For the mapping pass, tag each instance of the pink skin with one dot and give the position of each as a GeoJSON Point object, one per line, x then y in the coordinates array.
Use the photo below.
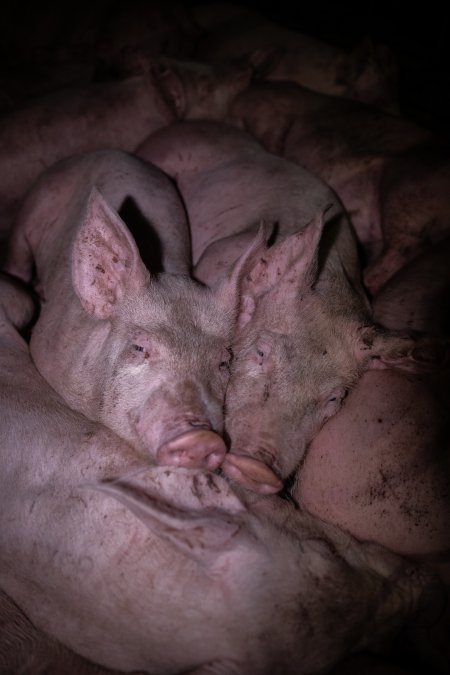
{"type": "Point", "coordinates": [303, 338]}
{"type": "Point", "coordinates": [146, 356]}
{"type": "Point", "coordinates": [367, 73]}
{"type": "Point", "coordinates": [229, 184]}
{"type": "Point", "coordinates": [200, 90]}
{"type": "Point", "coordinates": [304, 347]}
{"type": "Point", "coordinates": [389, 172]}
{"type": "Point", "coordinates": [380, 468]}
{"type": "Point", "coordinates": [81, 511]}
{"type": "Point", "coordinates": [49, 128]}
{"type": "Point", "coordinates": [25, 649]}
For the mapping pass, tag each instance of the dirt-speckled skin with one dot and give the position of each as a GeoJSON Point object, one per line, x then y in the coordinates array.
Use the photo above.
{"type": "Point", "coordinates": [113, 557]}
{"type": "Point", "coordinates": [143, 351]}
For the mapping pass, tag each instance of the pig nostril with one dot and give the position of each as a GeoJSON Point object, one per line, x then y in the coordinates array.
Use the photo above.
{"type": "Point", "coordinates": [199, 425]}
{"type": "Point", "coordinates": [201, 448]}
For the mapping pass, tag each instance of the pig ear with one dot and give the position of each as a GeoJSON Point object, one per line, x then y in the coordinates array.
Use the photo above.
{"type": "Point", "coordinates": [106, 264]}
{"type": "Point", "coordinates": [404, 351]}
{"type": "Point", "coordinates": [285, 267]}
{"type": "Point", "coordinates": [229, 289]}
{"type": "Point", "coordinates": [197, 536]}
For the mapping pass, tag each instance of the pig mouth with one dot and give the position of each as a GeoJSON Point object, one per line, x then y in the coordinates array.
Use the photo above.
{"type": "Point", "coordinates": [252, 472]}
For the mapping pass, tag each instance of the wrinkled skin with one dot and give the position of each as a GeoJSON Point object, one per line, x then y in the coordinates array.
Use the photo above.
{"type": "Point", "coordinates": [75, 498]}
{"type": "Point", "coordinates": [367, 73]}
{"type": "Point", "coordinates": [389, 172]}
{"type": "Point", "coordinates": [144, 353]}
{"type": "Point", "coordinates": [62, 123]}
{"type": "Point", "coordinates": [381, 467]}
{"type": "Point", "coordinates": [305, 331]}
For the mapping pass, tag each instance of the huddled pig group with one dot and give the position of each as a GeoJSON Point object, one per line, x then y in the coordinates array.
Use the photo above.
{"type": "Point", "coordinates": [224, 367]}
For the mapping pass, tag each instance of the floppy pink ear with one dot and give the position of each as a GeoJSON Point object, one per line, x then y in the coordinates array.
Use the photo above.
{"type": "Point", "coordinates": [106, 264]}
{"type": "Point", "coordinates": [404, 351]}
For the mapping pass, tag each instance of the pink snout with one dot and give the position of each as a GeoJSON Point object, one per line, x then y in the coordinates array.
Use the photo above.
{"type": "Point", "coordinates": [252, 473]}
{"type": "Point", "coordinates": [199, 449]}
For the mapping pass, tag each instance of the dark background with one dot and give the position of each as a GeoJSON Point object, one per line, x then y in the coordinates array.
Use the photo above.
{"type": "Point", "coordinates": [417, 34]}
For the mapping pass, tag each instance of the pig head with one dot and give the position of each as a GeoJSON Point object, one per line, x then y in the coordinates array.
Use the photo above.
{"type": "Point", "coordinates": [305, 337]}
{"type": "Point", "coordinates": [145, 353]}
{"type": "Point", "coordinates": [112, 557]}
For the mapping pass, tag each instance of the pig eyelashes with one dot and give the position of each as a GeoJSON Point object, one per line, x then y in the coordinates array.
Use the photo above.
{"type": "Point", "coordinates": [144, 349]}
{"type": "Point", "coordinates": [225, 362]}
{"type": "Point", "coordinates": [258, 353]}
{"type": "Point", "coordinates": [333, 402]}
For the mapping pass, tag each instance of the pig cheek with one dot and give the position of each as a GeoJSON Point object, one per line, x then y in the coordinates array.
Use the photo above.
{"type": "Point", "coordinates": [249, 423]}
{"type": "Point", "coordinates": [130, 388]}
{"type": "Point", "coordinates": [146, 433]}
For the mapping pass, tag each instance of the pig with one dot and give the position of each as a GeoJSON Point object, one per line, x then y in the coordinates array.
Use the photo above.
{"type": "Point", "coordinates": [380, 468]}
{"type": "Point", "coordinates": [26, 650]}
{"type": "Point", "coordinates": [367, 73]}
{"type": "Point", "coordinates": [110, 555]}
{"type": "Point", "coordinates": [305, 332]}
{"type": "Point", "coordinates": [389, 172]}
{"type": "Point", "coordinates": [97, 116]}
{"type": "Point", "coordinates": [207, 158]}
{"type": "Point", "coordinates": [195, 89]}
{"type": "Point", "coordinates": [144, 352]}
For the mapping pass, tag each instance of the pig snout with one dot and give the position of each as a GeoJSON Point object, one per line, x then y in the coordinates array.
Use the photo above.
{"type": "Point", "coordinates": [200, 448]}
{"type": "Point", "coordinates": [252, 473]}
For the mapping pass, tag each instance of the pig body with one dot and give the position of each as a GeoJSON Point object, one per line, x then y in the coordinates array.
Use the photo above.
{"type": "Point", "coordinates": [197, 90]}
{"type": "Point", "coordinates": [144, 353]}
{"type": "Point", "coordinates": [305, 332]}
{"type": "Point", "coordinates": [96, 116]}
{"type": "Point", "coordinates": [229, 184]}
{"type": "Point", "coordinates": [381, 467]}
{"type": "Point", "coordinates": [367, 73]}
{"type": "Point", "coordinates": [110, 555]}
{"type": "Point", "coordinates": [388, 171]}
{"type": "Point", "coordinates": [27, 650]}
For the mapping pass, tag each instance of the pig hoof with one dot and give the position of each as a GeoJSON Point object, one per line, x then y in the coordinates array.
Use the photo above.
{"type": "Point", "coordinates": [251, 473]}
{"type": "Point", "coordinates": [200, 449]}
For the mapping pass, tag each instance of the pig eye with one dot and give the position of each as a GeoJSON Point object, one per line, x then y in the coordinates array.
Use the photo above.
{"type": "Point", "coordinates": [225, 363]}
{"type": "Point", "coordinates": [333, 402]}
{"type": "Point", "coordinates": [138, 348]}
